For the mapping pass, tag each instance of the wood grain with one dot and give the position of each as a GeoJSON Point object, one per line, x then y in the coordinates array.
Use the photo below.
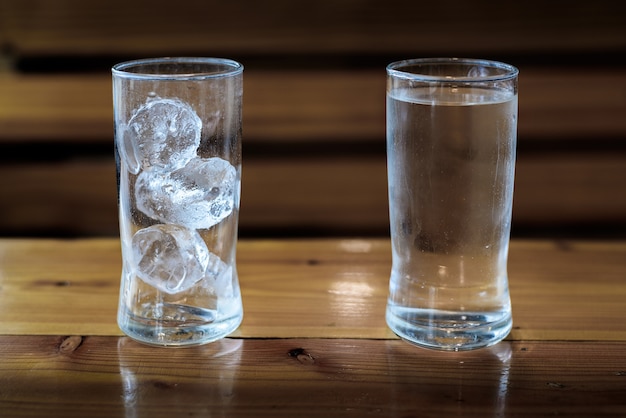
{"type": "Point", "coordinates": [325, 288]}
{"type": "Point", "coordinates": [115, 377]}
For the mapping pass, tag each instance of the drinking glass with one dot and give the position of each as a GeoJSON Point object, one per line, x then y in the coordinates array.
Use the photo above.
{"type": "Point", "coordinates": [178, 153]}
{"type": "Point", "coordinates": [451, 143]}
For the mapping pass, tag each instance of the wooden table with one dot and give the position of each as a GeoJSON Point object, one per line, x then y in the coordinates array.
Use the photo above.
{"type": "Point", "coordinates": [313, 341]}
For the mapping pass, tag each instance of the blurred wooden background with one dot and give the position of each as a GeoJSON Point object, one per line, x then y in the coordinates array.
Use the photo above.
{"type": "Point", "coordinates": [314, 107]}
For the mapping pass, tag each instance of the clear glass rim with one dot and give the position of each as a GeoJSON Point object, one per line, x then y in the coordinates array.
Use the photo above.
{"type": "Point", "coordinates": [215, 68]}
{"type": "Point", "coordinates": [507, 71]}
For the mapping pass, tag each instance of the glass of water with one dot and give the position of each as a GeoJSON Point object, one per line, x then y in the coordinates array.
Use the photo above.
{"type": "Point", "coordinates": [178, 152]}
{"type": "Point", "coordinates": [451, 141]}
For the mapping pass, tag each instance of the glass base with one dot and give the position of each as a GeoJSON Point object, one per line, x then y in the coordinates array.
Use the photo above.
{"type": "Point", "coordinates": [449, 331]}
{"type": "Point", "coordinates": [171, 333]}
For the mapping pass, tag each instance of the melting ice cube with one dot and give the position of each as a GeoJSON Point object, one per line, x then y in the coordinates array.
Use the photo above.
{"type": "Point", "coordinates": [197, 196]}
{"type": "Point", "coordinates": [170, 257]}
{"type": "Point", "coordinates": [161, 134]}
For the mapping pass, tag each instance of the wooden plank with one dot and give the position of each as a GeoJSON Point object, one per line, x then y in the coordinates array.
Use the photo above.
{"type": "Point", "coordinates": [554, 285]}
{"type": "Point", "coordinates": [114, 377]}
{"type": "Point", "coordinates": [58, 286]}
{"type": "Point", "coordinates": [574, 291]}
{"type": "Point", "coordinates": [76, 197]}
{"type": "Point", "coordinates": [56, 108]}
{"type": "Point", "coordinates": [566, 103]}
{"type": "Point", "coordinates": [323, 194]}
{"type": "Point", "coordinates": [327, 195]}
{"type": "Point", "coordinates": [71, 27]}
{"type": "Point", "coordinates": [575, 188]}
{"type": "Point", "coordinates": [307, 106]}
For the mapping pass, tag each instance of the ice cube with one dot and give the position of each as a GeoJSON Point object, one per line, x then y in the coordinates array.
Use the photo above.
{"type": "Point", "coordinates": [197, 196]}
{"type": "Point", "coordinates": [171, 258]}
{"type": "Point", "coordinates": [161, 134]}
{"type": "Point", "coordinates": [219, 277]}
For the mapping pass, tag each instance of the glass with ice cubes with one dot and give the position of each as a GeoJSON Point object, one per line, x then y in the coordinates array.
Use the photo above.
{"type": "Point", "coordinates": [178, 154]}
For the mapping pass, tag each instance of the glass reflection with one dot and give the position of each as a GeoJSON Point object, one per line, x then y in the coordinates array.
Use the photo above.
{"type": "Point", "coordinates": [449, 383]}
{"type": "Point", "coordinates": [188, 380]}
